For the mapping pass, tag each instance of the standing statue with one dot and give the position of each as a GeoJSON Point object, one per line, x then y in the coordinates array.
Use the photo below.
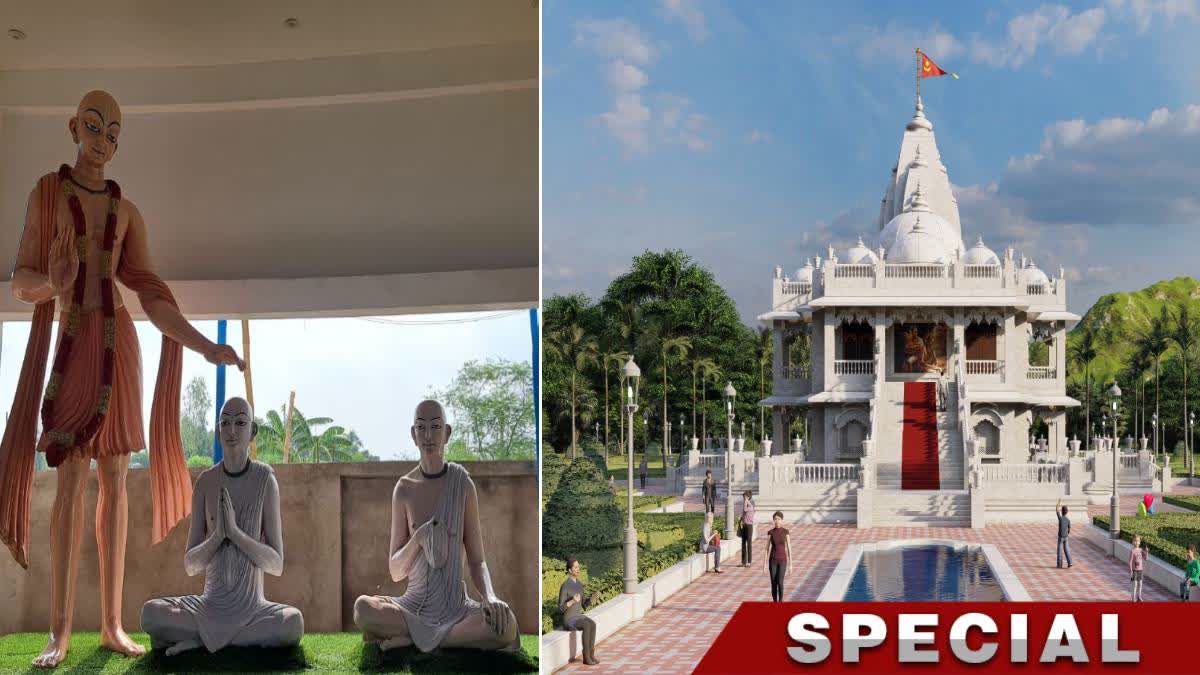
{"type": "Point", "coordinates": [435, 517]}
{"type": "Point", "coordinates": [80, 234]}
{"type": "Point", "coordinates": [236, 535]}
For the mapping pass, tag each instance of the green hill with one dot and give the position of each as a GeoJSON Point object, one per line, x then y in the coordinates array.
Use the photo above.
{"type": "Point", "coordinates": [1120, 317]}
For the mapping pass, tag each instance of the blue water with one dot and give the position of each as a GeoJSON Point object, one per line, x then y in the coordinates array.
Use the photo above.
{"type": "Point", "coordinates": [927, 573]}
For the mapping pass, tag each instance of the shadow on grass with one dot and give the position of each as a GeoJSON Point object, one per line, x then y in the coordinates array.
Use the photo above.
{"type": "Point", "coordinates": [92, 662]}
{"type": "Point", "coordinates": [227, 660]}
{"type": "Point", "coordinates": [413, 660]}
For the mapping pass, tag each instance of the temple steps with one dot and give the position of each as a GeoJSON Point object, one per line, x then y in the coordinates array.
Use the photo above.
{"type": "Point", "coordinates": [921, 508]}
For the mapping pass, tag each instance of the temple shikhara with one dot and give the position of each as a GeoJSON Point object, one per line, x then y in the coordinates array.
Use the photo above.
{"type": "Point", "coordinates": [929, 371]}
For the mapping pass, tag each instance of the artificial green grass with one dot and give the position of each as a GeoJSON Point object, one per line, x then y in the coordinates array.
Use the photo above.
{"type": "Point", "coordinates": [618, 470]}
{"type": "Point", "coordinates": [319, 653]}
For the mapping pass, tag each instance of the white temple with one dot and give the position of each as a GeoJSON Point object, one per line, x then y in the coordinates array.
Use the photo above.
{"type": "Point", "coordinates": [918, 391]}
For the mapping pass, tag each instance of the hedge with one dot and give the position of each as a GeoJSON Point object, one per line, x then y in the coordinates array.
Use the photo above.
{"type": "Point", "coordinates": [581, 514]}
{"type": "Point", "coordinates": [1190, 502]}
{"type": "Point", "coordinates": [553, 466]}
{"type": "Point", "coordinates": [643, 502]}
{"type": "Point", "coordinates": [1168, 534]}
{"type": "Point", "coordinates": [650, 562]}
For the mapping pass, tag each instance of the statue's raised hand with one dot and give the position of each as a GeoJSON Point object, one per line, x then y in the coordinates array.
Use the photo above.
{"type": "Point", "coordinates": [223, 355]}
{"type": "Point", "coordinates": [64, 260]}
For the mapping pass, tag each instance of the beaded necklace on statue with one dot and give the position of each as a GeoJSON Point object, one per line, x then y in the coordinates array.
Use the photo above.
{"type": "Point", "coordinates": [64, 441]}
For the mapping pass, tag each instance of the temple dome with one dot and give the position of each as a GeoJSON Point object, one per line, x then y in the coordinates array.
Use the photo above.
{"type": "Point", "coordinates": [859, 254]}
{"type": "Point", "coordinates": [979, 254]}
{"type": "Point", "coordinates": [919, 245]}
{"type": "Point", "coordinates": [918, 208]}
{"type": "Point", "coordinates": [1034, 276]}
{"type": "Point", "coordinates": [805, 273]}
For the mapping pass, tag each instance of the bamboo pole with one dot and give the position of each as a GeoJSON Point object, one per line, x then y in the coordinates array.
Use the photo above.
{"type": "Point", "coordinates": [287, 428]}
{"type": "Point", "coordinates": [249, 381]}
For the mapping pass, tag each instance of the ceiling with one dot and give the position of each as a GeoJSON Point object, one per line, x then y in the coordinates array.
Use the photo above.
{"type": "Point", "coordinates": [400, 138]}
{"type": "Point", "coordinates": [70, 34]}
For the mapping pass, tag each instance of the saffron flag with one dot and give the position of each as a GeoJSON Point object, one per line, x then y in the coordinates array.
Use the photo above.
{"type": "Point", "coordinates": [931, 69]}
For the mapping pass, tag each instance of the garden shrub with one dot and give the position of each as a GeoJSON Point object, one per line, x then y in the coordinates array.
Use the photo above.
{"type": "Point", "coordinates": [1168, 534]}
{"type": "Point", "coordinates": [1187, 502]}
{"type": "Point", "coordinates": [553, 465]}
{"type": "Point", "coordinates": [581, 514]}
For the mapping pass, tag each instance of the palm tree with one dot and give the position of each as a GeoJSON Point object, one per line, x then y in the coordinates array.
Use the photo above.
{"type": "Point", "coordinates": [764, 349]}
{"type": "Point", "coordinates": [708, 370]}
{"type": "Point", "coordinates": [667, 347]}
{"type": "Point", "coordinates": [1151, 344]}
{"type": "Point", "coordinates": [1183, 334]}
{"type": "Point", "coordinates": [1083, 352]}
{"type": "Point", "coordinates": [618, 359]}
{"type": "Point", "coordinates": [578, 350]}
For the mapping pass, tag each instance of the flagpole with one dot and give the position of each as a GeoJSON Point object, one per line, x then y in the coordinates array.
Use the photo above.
{"type": "Point", "coordinates": [918, 74]}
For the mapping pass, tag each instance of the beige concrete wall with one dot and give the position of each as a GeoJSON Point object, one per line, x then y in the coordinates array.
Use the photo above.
{"type": "Point", "coordinates": [336, 520]}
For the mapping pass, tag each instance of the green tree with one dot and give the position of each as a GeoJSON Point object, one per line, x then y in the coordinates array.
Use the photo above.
{"type": "Point", "coordinates": [1082, 352]}
{"type": "Point", "coordinates": [1183, 334]}
{"type": "Point", "coordinates": [581, 514]}
{"type": "Point", "coordinates": [576, 349]}
{"type": "Point", "coordinates": [1152, 343]}
{"type": "Point", "coordinates": [617, 360]}
{"type": "Point", "coordinates": [193, 421]}
{"type": "Point", "coordinates": [333, 443]}
{"type": "Point", "coordinates": [491, 408]}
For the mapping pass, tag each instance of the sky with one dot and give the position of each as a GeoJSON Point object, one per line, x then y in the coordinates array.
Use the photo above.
{"type": "Point", "coordinates": [751, 135]}
{"type": "Point", "coordinates": [368, 374]}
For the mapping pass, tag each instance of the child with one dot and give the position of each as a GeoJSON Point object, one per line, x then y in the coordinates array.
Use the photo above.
{"type": "Point", "coordinates": [1137, 565]}
{"type": "Point", "coordinates": [1191, 574]}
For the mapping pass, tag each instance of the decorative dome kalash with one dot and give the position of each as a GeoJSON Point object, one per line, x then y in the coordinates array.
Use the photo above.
{"type": "Point", "coordinates": [805, 274]}
{"type": "Point", "coordinates": [979, 254]}
{"type": "Point", "coordinates": [919, 245]}
{"type": "Point", "coordinates": [933, 224]}
{"type": "Point", "coordinates": [1032, 276]}
{"type": "Point", "coordinates": [859, 254]}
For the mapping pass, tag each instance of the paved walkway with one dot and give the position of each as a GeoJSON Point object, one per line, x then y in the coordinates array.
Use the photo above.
{"type": "Point", "coordinates": [674, 636]}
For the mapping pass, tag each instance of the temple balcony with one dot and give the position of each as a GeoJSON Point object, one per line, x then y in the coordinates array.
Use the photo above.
{"type": "Point", "coordinates": [956, 284]}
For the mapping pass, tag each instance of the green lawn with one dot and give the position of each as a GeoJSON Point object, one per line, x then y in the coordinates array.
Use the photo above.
{"type": "Point", "coordinates": [1183, 501]}
{"type": "Point", "coordinates": [320, 653]}
{"type": "Point", "coordinates": [619, 470]}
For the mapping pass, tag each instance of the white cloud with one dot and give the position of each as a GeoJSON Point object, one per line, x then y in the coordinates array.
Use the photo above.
{"type": "Point", "coordinates": [1053, 27]}
{"type": "Point", "coordinates": [628, 122]}
{"type": "Point", "coordinates": [687, 13]}
{"type": "Point", "coordinates": [897, 43]}
{"type": "Point", "coordinates": [616, 38]}
{"type": "Point", "coordinates": [1145, 12]}
{"type": "Point", "coordinates": [623, 77]}
{"type": "Point", "coordinates": [758, 136]}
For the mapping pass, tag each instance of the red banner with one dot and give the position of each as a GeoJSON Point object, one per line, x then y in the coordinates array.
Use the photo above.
{"type": "Point", "coordinates": [929, 68]}
{"type": "Point", "coordinates": [967, 637]}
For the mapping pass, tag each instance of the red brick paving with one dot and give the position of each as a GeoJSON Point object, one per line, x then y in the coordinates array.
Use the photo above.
{"type": "Point", "coordinates": [673, 637]}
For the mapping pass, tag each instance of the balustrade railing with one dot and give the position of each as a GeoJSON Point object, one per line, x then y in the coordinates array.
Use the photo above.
{"type": "Point", "coordinates": [814, 473]}
{"type": "Point", "coordinates": [979, 367]}
{"type": "Point", "coordinates": [914, 271]}
{"type": "Point", "coordinates": [1025, 473]}
{"type": "Point", "coordinates": [981, 271]}
{"type": "Point", "coordinates": [855, 271]}
{"type": "Point", "coordinates": [1036, 289]}
{"type": "Point", "coordinates": [1130, 461]}
{"type": "Point", "coordinates": [797, 372]}
{"type": "Point", "coordinates": [797, 287]}
{"type": "Point", "coordinates": [854, 367]}
{"type": "Point", "coordinates": [1040, 373]}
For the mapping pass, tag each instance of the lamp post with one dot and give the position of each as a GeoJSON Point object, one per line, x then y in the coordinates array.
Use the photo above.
{"type": "Point", "coordinates": [1114, 394]}
{"type": "Point", "coordinates": [1192, 451]}
{"type": "Point", "coordinates": [730, 396]}
{"type": "Point", "coordinates": [1154, 432]}
{"type": "Point", "coordinates": [682, 438]}
{"type": "Point", "coordinates": [632, 374]}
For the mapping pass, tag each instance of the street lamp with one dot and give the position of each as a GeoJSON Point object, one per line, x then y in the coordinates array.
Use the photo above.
{"type": "Point", "coordinates": [1154, 432]}
{"type": "Point", "coordinates": [632, 375]}
{"type": "Point", "coordinates": [682, 438]}
{"type": "Point", "coordinates": [1114, 394]}
{"type": "Point", "coordinates": [730, 396]}
{"type": "Point", "coordinates": [1192, 450]}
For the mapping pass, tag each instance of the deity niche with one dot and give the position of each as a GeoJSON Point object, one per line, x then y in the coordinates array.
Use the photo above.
{"type": "Point", "coordinates": [920, 348]}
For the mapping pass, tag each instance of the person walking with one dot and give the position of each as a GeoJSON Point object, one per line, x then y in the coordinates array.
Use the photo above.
{"type": "Point", "coordinates": [1137, 567]}
{"type": "Point", "coordinates": [746, 530]}
{"type": "Point", "coordinates": [572, 604]}
{"type": "Point", "coordinates": [710, 541]}
{"type": "Point", "coordinates": [709, 490]}
{"type": "Point", "coordinates": [1064, 529]}
{"type": "Point", "coordinates": [779, 555]}
{"type": "Point", "coordinates": [1191, 574]}
{"type": "Point", "coordinates": [642, 472]}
